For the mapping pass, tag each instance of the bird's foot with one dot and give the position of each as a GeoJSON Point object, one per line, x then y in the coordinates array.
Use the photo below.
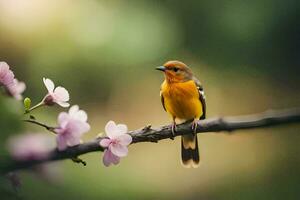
{"type": "Point", "coordinates": [194, 126]}
{"type": "Point", "coordinates": [173, 128]}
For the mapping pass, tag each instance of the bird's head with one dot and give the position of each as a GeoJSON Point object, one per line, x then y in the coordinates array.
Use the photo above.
{"type": "Point", "coordinates": [176, 71]}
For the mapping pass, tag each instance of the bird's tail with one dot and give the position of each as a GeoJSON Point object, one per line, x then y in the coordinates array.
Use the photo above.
{"type": "Point", "coordinates": [189, 151]}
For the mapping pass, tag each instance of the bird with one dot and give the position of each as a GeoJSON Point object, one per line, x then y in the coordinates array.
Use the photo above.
{"type": "Point", "coordinates": [182, 96]}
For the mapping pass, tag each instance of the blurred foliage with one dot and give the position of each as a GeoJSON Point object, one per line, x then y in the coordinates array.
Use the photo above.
{"type": "Point", "coordinates": [264, 34]}
{"type": "Point", "coordinates": [246, 53]}
{"type": "Point", "coordinates": [10, 115]}
{"type": "Point", "coordinates": [10, 112]}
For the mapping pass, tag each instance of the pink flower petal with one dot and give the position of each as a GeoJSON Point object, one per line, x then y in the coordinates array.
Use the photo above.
{"type": "Point", "coordinates": [61, 94]}
{"type": "Point", "coordinates": [75, 128]}
{"type": "Point", "coordinates": [8, 78]}
{"type": "Point", "coordinates": [109, 158]}
{"type": "Point", "coordinates": [57, 95]}
{"type": "Point", "coordinates": [6, 75]}
{"type": "Point", "coordinates": [3, 67]}
{"type": "Point", "coordinates": [83, 127]}
{"type": "Point", "coordinates": [63, 104]}
{"type": "Point", "coordinates": [118, 150]}
{"type": "Point", "coordinates": [71, 133]}
{"type": "Point", "coordinates": [61, 142]}
{"type": "Point", "coordinates": [16, 89]}
{"type": "Point", "coordinates": [81, 115]}
{"type": "Point", "coordinates": [73, 110]}
{"type": "Point", "coordinates": [21, 87]}
{"type": "Point", "coordinates": [105, 142]}
{"type": "Point", "coordinates": [49, 85]}
{"type": "Point", "coordinates": [115, 159]}
{"type": "Point", "coordinates": [73, 140]}
{"type": "Point", "coordinates": [125, 139]}
{"type": "Point", "coordinates": [111, 129]}
{"type": "Point", "coordinates": [122, 128]}
{"type": "Point", "coordinates": [63, 117]}
{"type": "Point", "coordinates": [86, 127]}
{"type": "Point", "coordinates": [71, 127]}
{"type": "Point", "coordinates": [78, 114]}
{"type": "Point", "coordinates": [29, 146]}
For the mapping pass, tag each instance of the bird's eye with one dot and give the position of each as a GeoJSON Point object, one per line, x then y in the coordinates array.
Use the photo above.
{"type": "Point", "coordinates": [175, 69]}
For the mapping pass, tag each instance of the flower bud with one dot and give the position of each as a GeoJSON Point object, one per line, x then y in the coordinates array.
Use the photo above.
{"type": "Point", "coordinates": [27, 103]}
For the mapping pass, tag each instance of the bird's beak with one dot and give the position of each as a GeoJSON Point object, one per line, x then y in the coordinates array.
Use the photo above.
{"type": "Point", "coordinates": [161, 68]}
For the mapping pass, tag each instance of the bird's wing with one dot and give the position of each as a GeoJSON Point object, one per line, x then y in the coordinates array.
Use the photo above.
{"type": "Point", "coordinates": [162, 100]}
{"type": "Point", "coordinates": [201, 97]}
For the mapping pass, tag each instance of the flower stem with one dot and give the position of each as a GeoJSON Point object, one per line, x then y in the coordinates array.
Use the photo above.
{"type": "Point", "coordinates": [35, 107]}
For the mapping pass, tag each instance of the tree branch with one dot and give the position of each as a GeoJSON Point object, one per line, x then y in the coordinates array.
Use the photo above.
{"type": "Point", "coordinates": [149, 134]}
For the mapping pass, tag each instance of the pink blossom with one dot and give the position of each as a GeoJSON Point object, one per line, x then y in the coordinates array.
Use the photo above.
{"type": "Point", "coordinates": [12, 86]}
{"type": "Point", "coordinates": [109, 158]}
{"type": "Point", "coordinates": [16, 89]}
{"type": "Point", "coordinates": [72, 126]}
{"type": "Point", "coordinates": [29, 147]}
{"type": "Point", "coordinates": [6, 75]}
{"type": "Point", "coordinates": [58, 95]}
{"type": "Point", "coordinates": [116, 143]}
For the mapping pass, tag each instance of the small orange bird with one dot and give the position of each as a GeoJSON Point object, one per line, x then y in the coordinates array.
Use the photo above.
{"type": "Point", "coordinates": [182, 96]}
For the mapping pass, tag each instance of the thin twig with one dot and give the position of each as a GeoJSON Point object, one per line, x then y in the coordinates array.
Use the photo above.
{"type": "Point", "coordinates": [149, 134]}
{"type": "Point", "coordinates": [49, 128]}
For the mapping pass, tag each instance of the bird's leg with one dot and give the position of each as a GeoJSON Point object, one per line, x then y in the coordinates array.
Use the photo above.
{"type": "Point", "coordinates": [194, 126]}
{"type": "Point", "coordinates": [173, 128]}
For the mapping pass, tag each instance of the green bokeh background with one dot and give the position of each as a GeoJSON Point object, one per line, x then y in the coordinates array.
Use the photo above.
{"type": "Point", "coordinates": [246, 53]}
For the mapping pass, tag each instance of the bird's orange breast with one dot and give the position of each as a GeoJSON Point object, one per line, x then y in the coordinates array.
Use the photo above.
{"type": "Point", "coordinates": [181, 100]}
